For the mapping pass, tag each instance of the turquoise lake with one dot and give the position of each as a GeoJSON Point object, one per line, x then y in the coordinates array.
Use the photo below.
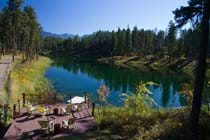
{"type": "Point", "coordinates": [70, 76]}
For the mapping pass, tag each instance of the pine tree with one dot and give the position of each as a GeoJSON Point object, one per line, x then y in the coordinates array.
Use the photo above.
{"type": "Point", "coordinates": [199, 10]}
{"type": "Point", "coordinates": [128, 40]}
{"type": "Point", "coordinates": [13, 8]}
{"type": "Point", "coordinates": [171, 39]}
{"type": "Point", "coordinates": [134, 38]}
{"type": "Point", "coordinates": [114, 42]}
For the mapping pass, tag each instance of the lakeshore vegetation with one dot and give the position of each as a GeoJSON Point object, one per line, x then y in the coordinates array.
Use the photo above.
{"type": "Point", "coordinates": [20, 36]}
{"type": "Point", "coordinates": [29, 78]}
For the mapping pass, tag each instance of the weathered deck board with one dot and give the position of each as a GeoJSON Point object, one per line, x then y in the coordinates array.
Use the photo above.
{"type": "Point", "coordinates": [29, 126]}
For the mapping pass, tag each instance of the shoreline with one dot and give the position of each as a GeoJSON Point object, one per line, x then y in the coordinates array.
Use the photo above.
{"type": "Point", "coordinates": [28, 78]}
{"type": "Point", "coordinates": [155, 63]}
{"type": "Point", "coordinates": [165, 64]}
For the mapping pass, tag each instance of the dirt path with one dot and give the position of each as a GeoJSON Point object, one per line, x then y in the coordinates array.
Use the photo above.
{"type": "Point", "coordinates": [4, 66]}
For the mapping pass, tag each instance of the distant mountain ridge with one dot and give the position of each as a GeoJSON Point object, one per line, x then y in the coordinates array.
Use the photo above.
{"type": "Point", "coordinates": [63, 36]}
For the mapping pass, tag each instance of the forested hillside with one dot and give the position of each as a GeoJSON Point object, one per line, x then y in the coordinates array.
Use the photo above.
{"type": "Point", "coordinates": [129, 42]}
{"type": "Point", "coordinates": [19, 30]}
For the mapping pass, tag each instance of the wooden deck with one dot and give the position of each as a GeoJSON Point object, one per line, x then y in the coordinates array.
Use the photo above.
{"type": "Point", "coordinates": [27, 127]}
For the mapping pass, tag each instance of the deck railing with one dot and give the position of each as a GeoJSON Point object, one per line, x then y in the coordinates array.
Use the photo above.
{"type": "Point", "coordinates": [4, 111]}
{"type": "Point", "coordinates": [45, 99]}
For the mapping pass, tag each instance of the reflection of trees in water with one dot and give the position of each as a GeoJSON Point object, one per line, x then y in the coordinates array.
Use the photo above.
{"type": "Point", "coordinates": [166, 91]}
{"type": "Point", "coordinates": [120, 78]}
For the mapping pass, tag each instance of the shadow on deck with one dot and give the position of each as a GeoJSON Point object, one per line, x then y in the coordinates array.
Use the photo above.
{"type": "Point", "coordinates": [27, 126]}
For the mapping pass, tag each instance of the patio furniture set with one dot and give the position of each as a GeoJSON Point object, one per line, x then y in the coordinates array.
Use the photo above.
{"type": "Point", "coordinates": [57, 119]}
{"type": "Point", "coordinates": [74, 105]}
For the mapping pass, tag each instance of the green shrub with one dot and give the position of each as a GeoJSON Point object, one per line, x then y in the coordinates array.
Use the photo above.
{"type": "Point", "coordinates": [136, 120]}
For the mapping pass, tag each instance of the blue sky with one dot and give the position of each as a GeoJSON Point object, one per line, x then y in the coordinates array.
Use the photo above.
{"type": "Point", "coordinates": [87, 16]}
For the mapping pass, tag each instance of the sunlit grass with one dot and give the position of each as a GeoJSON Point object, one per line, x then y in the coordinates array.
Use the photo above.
{"type": "Point", "coordinates": [150, 124]}
{"type": "Point", "coordinates": [24, 78]}
{"type": "Point", "coordinates": [29, 78]}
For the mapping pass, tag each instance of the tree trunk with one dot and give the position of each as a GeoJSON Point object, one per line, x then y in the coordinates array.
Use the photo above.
{"type": "Point", "coordinates": [22, 47]}
{"type": "Point", "coordinates": [2, 49]}
{"type": "Point", "coordinates": [200, 73]}
{"type": "Point", "coordinates": [37, 55]}
{"type": "Point", "coordinates": [14, 44]}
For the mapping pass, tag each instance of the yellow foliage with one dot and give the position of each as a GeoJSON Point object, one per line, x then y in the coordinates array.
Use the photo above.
{"type": "Point", "coordinates": [26, 78]}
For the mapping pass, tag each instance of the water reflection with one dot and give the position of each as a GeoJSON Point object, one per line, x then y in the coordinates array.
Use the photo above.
{"type": "Point", "coordinates": [71, 76]}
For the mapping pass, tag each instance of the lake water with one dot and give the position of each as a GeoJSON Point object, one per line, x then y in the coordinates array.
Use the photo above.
{"type": "Point", "coordinates": [74, 77]}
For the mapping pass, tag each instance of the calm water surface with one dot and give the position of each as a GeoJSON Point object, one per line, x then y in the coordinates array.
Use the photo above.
{"type": "Point", "coordinates": [74, 77]}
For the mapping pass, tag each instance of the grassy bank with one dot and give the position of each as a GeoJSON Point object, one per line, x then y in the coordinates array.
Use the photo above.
{"type": "Point", "coordinates": [150, 62]}
{"type": "Point", "coordinates": [123, 123]}
{"type": "Point", "coordinates": [29, 78]}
